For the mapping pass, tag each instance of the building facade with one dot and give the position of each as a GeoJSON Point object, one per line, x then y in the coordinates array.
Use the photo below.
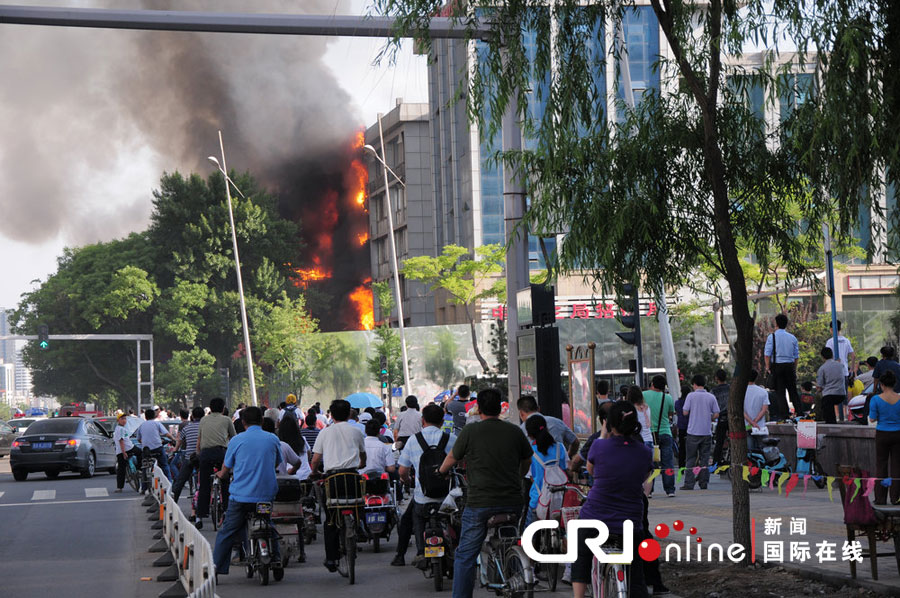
{"type": "Point", "coordinates": [407, 143]}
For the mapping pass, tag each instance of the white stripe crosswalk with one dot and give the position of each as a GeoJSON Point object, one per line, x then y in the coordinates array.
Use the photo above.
{"type": "Point", "coordinates": [43, 495]}
{"type": "Point", "coordinates": [95, 492]}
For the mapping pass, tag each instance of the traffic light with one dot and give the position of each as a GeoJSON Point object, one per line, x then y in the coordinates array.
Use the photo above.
{"type": "Point", "coordinates": [630, 317]}
{"type": "Point", "coordinates": [384, 373]}
{"type": "Point", "coordinates": [43, 336]}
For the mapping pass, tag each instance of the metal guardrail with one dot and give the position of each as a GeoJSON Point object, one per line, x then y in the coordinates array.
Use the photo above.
{"type": "Point", "coordinates": [192, 553]}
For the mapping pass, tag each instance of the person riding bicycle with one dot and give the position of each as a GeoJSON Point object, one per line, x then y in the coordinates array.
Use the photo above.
{"type": "Point", "coordinates": [216, 430]}
{"type": "Point", "coordinates": [124, 449]}
{"type": "Point", "coordinates": [497, 456]}
{"type": "Point", "coordinates": [431, 436]}
{"type": "Point", "coordinates": [150, 435]}
{"type": "Point", "coordinates": [252, 458]}
{"type": "Point", "coordinates": [619, 465]}
{"type": "Point", "coordinates": [187, 439]}
{"type": "Point", "coordinates": [340, 448]}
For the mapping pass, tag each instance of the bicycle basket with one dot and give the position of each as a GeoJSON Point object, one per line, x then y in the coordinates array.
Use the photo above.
{"type": "Point", "coordinates": [344, 490]}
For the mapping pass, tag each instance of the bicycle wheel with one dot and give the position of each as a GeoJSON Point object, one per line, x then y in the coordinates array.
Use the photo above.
{"type": "Point", "coordinates": [550, 545]}
{"type": "Point", "coordinates": [264, 575]}
{"type": "Point", "coordinates": [350, 545]}
{"type": "Point", "coordinates": [614, 583]}
{"type": "Point", "coordinates": [215, 504]}
{"type": "Point", "coordinates": [514, 570]}
{"type": "Point", "coordinates": [133, 478]}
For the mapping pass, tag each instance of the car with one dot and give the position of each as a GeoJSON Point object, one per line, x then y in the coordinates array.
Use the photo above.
{"type": "Point", "coordinates": [20, 424]}
{"type": "Point", "coordinates": [7, 436]}
{"type": "Point", "coordinates": [62, 444]}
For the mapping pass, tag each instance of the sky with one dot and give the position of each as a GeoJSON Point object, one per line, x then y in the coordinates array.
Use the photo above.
{"type": "Point", "coordinates": [56, 114]}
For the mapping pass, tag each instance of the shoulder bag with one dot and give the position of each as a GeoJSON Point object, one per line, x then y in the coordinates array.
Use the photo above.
{"type": "Point", "coordinates": [657, 457]}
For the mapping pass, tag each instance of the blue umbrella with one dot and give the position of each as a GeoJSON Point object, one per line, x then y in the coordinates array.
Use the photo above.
{"type": "Point", "coordinates": [361, 400]}
{"type": "Point", "coordinates": [444, 394]}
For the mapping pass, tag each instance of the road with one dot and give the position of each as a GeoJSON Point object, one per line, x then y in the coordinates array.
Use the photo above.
{"type": "Point", "coordinates": [72, 537]}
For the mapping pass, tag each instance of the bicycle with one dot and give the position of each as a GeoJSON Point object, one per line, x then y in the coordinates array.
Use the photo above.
{"type": "Point", "coordinates": [261, 535]}
{"type": "Point", "coordinates": [610, 580]}
{"type": "Point", "coordinates": [503, 565]}
{"type": "Point", "coordinates": [132, 473]}
{"type": "Point", "coordinates": [343, 497]}
{"type": "Point", "coordinates": [216, 501]}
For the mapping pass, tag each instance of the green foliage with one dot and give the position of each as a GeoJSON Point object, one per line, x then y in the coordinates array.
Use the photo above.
{"type": "Point", "coordinates": [383, 293]}
{"type": "Point", "coordinates": [340, 369]}
{"type": "Point", "coordinates": [185, 373]}
{"type": "Point", "coordinates": [286, 342]}
{"type": "Point", "coordinates": [701, 360]}
{"type": "Point", "coordinates": [387, 344]}
{"type": "Point", "coordinates": [177, 281]}
{"type": "Point", "coordinates": [441, 358]}
{"type": "Point", "coordinates": [464, 278]}
{"type": "Point", "coordinates": [686, 317]}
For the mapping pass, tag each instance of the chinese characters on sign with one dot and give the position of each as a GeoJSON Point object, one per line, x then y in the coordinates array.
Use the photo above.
{"type": "Point", "coordinates": [802, 551]}
{"type": "Point", "coordinates": [604, 310]}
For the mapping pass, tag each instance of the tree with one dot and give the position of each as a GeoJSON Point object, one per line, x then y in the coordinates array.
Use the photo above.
{"type": "Point", "coordinates": [673, 190]}
{"type": "Point", "coordinates": [186, 374]}
{"type": "Point", "coordinates": [441, 358]}
{"type": "Point", "coordinates": [340, 361]}
{"type": "Point", "coordinates": [497, 342]}
{"type": "Point", "coordinates": [286, 343]}
{"type": "Point", "coordinates": [387, 342]}
{"type": "Point", "coordinates": [465, 278]}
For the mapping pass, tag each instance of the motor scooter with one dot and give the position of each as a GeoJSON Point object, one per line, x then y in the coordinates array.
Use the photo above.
{"type": "Point", "coordinates": [768, 456]}
{"type": "Point", "coordinates": [380, 511]}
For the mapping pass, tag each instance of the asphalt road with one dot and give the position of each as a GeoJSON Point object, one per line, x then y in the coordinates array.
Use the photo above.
{"type": "Point", "coordinates": [72, 537]}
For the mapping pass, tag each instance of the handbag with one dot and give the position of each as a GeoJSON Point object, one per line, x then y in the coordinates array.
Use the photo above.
{"type": "Point", "coordinates": [657, 456]}
{"type": "Point", "coordinates": [770, 378]}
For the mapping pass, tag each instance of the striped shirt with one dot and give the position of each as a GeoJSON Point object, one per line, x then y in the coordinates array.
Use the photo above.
{"type": "Point", "coordinates": [310, 434]}
{"type": "Point", "coordinates": [189, 433]}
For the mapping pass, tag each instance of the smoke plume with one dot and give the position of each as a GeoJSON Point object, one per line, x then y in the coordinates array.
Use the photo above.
{"type": "Point", "coordinates": [80, 108]}
{"type": "Point", "coordinates": [91, 118]}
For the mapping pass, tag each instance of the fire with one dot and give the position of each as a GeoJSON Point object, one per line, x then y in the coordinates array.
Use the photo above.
{"type": "Point", "coordinates": [363, 238]}
{"type": "Point", "coordinates": [308, 275]}
{"type": "Point", "coordinates": [361, 297]}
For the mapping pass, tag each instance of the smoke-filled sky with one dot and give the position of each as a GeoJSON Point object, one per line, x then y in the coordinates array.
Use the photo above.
{"type": "Point", "coordinates": [91, 118]}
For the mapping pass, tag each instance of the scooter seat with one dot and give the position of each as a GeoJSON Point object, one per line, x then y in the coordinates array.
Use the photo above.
{"type": "Point", "coordinates": [503, 519]}
{"type": "Point", "coordinates": [771, 441]}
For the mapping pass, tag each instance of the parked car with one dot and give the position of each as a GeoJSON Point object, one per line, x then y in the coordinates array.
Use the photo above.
{"type": "Point", "coordinates": [7, 435]}
{"type": "Point", "coordinates": [62, 444]}
{"type": "Point", "coordinates": [20, 424]}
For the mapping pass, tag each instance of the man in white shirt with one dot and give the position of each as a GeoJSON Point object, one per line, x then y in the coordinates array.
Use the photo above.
{"type": "Point", "coordinates": [409, 422]}
{"type": "Point", "coordinates": [379, 455]}
{"type": "Point", "coordinates": [150, 434]}
{"type": "Point", "coordinates": [845, 350]}
{"type": "Point", "coordinates": [340, 448]}
{"type": "Point", "coordinates": [756, 406]}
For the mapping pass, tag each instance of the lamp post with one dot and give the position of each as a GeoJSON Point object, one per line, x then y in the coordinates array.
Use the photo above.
{"type": "Point", "coordinates": [390, 218]}
{"type": "Point", "coordinates": [237, 267]}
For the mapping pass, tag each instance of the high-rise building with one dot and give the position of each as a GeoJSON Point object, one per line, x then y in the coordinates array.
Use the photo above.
{"type": "Point", "coordinates": [23, 377]}
{"type": "Point", "coordinates": [7, 383]}
{"type": "Point", "coordinates": [407, 144]}
{"type": "Point", "coordinates": [7, 348]}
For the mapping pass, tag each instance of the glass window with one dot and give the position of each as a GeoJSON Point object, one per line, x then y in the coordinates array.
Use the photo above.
{"type": "Point", "coordinates": [641, 31]}
{"type": "Point", "coordinates": [67, 425]}
{"type": "Point", "coordinates": [795, 91]}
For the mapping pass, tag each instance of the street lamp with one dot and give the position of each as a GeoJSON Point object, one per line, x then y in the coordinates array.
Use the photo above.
{"type": "Point", "coordinates": [237, 266]}
{"type": "Point", "coordinates": [390, 218]}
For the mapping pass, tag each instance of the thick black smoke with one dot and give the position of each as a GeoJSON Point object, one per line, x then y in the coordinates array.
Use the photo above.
{"type": "Point", "coordinates": [84, 112]}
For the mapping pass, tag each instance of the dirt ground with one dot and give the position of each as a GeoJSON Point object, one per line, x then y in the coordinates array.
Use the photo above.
{"type": "Point", "coordinates": [733, 581]}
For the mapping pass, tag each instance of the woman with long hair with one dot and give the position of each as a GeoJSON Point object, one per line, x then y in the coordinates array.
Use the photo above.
{"type": "Point", "coordinates": [884, 411]}
{"type": "Point", "coordinates": [619, 465]}
{"type": "Point", "coordinates": [289, 432]}
{"type": "Point", "coordinates": [636, 398]}
{"type": "Point", "coordinates": [547, 453]}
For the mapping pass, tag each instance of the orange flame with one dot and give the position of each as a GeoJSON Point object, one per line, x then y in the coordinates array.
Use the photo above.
{"type": "Point", "coordinates": [363, 238]}
{"type": "Point", "coordinates": [361, 297]}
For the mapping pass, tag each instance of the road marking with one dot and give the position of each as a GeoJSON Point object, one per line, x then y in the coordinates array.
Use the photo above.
{"type": "Point", "coordinates": [43, 495]}
{"type": "Point", "coordinates": [1, 494]}
{"type": "Point", "coordinates": [66, 502]}
{"type": "Point", "coordinates": [95, 492]}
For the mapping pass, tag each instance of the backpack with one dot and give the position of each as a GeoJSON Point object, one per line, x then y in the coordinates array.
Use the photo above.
{"type": "Point", "coordinates": [433, 484]}
{"type": "Point", "coordinates": [553, 488]}
{"type": "Point", "coordinates": [291, 411]}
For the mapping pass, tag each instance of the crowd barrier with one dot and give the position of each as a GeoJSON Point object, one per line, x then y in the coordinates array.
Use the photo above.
{"type": "Point", "coordinates": [191, 555]}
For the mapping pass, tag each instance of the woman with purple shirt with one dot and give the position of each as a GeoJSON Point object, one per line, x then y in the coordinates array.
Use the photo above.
{"type": "Point", "coordinates": [619, 464]}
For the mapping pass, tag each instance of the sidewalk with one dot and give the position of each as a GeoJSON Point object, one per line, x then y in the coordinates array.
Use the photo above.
{"type": "Point", "coordinates": [710, 512]}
